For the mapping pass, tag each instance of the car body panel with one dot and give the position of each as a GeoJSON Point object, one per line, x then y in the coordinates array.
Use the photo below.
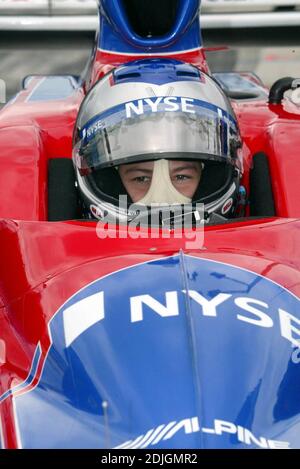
{"type": "Point", "coordinates": [140, 351]}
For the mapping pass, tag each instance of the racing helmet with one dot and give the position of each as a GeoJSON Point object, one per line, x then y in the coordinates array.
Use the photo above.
{"type": "Point", "coordinates": [158, 111]}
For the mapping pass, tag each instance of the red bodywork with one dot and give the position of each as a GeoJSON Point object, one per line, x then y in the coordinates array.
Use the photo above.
{"type": "Point", "coordinates": [43, 264]}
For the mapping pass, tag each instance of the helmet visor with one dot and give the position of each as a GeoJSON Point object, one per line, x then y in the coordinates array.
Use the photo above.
{"type": "Point", "coordinates": [137, 131]}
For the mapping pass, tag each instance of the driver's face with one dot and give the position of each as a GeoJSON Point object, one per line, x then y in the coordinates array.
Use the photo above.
{"type": "Point", "coordinates": [136, 177]}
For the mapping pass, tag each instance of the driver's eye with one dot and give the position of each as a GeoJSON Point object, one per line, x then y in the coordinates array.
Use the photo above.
{"type": "Point", "coordinates": [182, 177]}
{"type": "Point", "coordinates": [142, 179]}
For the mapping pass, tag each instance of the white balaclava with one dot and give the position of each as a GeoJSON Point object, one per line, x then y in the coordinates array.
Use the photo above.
{"type": "Point", "coordinates": [162, 191]}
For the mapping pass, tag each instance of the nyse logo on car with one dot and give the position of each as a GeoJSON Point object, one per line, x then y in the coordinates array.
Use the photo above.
{"type": "Point", "coordinates": [216, 298]}
{"type": "Point", "coordinates": [91, 310]}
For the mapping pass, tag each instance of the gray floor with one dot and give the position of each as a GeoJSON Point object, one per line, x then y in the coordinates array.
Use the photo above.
{"type": "Point", "coordinates": [269, 53]}
{"type": "Point", "coordinates": [41, 54]}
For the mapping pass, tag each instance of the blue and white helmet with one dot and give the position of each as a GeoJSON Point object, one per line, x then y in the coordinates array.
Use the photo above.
{"type": "Point", "coordinates": [156, 110]}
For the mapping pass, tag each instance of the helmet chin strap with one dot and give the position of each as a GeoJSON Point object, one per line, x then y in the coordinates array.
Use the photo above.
{"type": "Point", "coordinates": [162, 191]}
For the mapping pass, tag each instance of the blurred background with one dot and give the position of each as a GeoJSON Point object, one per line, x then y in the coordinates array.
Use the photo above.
{"type": "Point", "coordinates": [56, 36]}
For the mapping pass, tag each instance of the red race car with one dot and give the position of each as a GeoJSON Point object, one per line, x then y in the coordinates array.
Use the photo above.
{"type": "Point", "coordinates": [132, 335]}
